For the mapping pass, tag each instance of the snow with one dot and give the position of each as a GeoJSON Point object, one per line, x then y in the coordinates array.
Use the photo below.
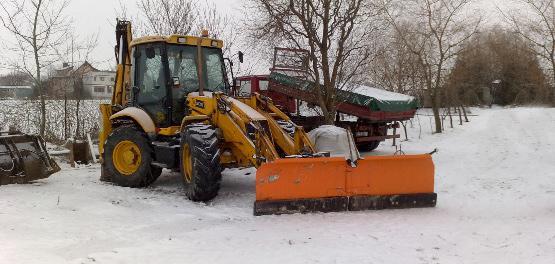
{"type": "Point", "coordinates": [382, 95]}
{"type": "Point", "coordinates": [495, 178]}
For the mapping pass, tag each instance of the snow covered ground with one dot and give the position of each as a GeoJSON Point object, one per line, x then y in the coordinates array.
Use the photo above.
{"type": "Point", "coordinates": [495, 180]}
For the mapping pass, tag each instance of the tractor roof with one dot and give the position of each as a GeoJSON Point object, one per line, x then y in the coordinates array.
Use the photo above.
{"type": "Point", "coordinates": [180, 40]}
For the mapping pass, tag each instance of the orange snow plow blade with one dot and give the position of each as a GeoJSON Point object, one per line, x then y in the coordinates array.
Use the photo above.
{"type": "Point", "coordinates": [299, 185]}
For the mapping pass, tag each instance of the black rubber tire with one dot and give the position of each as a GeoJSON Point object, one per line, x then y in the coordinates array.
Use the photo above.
{"type": "Point", "coordinates": [146, 174]}
{"type": "Point", "coordinates": [370, 146]}
{"type": "Point", "coordinates": [156, 172]}
{"type": "Point", "coordinates": [206, 169]}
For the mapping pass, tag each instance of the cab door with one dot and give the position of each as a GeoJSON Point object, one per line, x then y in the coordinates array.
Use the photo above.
{"type": "Point", "coordinates": [150, 82]}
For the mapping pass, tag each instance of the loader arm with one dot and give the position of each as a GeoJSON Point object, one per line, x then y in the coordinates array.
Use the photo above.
{"type": "Point", "coordinates": [120, 92]}
{"type": "Point", "coordinates": [242, 127]}
{"type": "Point", "coordinates": [124, 37]}
{"type": "Point", "coordinates": [296, 145]}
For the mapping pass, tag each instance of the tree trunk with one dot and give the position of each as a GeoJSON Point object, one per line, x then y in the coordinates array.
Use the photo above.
{"type": "Point", "coordinates": [38, 83]}
{"type": "Point", "coordinates": [405, 129]}
{"type": "Point", "coordinates": [465, 116]}
{"type": "Point", "coordinates": [65, 114]}
{"type": "Point", "coordinates": [450, 116]}
{"type": "Point", "coordinates": [329, 114]}
{"type": "Point", "coordinates": [435, 109]}
{"type": "Point", "coordinates": [394, 133]}
{"type": "Point", "coordinates": [553, 77]}
{"type": "Point", "coordinates": [460, 116]}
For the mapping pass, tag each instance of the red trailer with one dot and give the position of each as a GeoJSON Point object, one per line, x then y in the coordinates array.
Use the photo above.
{"type": "Point", "coordinates": [370, 127]}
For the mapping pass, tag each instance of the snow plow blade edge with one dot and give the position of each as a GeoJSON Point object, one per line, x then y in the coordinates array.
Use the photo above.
{"type": "Point", "coordinates": [330, 184]}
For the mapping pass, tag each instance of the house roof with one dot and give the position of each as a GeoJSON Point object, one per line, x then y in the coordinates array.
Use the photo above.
{"type": "Point", "coordinates": [85, 68]}
{"type": "Point", "coordinates": [15, 87]}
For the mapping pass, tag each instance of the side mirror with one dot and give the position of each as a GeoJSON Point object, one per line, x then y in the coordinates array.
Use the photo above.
{"type": "Point", "coordinates": [176, 82]}
{"type": "Point", "coordinates": [240, 56]}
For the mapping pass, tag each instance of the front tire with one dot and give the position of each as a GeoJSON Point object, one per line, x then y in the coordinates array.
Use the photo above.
{"type": "Point", "coordinates": [200, 162]}
{"type": "Point", "coordinates": [128, 157]}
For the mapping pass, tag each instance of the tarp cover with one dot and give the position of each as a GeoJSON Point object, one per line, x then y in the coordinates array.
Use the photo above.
{"type": "Point", "coordinates": [332, 139]}
{"type": "Point", "coordinates": [373, 98]}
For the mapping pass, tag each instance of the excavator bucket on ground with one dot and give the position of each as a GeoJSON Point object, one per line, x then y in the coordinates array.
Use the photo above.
{"type": "Point", "coordinates": [23, 158]}
{"type": "Point", "coordinates": [307, 185]}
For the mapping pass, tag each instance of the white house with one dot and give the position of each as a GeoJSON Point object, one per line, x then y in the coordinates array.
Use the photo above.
{"type": "Point", "coordinates": [96, 84]}
{"type": "Point", "coordinates": [99, 84]}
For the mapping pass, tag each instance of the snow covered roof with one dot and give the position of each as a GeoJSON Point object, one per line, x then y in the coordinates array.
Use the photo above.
{"type": "Point", "coordinates": [5, 87]}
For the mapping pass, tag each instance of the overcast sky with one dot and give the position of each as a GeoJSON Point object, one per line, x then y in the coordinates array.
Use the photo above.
{"type": "Point", "coordinates": [98, 17]}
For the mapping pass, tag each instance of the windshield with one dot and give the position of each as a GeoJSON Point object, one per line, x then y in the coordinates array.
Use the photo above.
{"type": "Point", "coordinates": [182, 62]}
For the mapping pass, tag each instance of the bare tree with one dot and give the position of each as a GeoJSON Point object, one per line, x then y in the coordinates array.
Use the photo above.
{"type": "Point", "coordinates": [166, 17]}
{"type": "Point", "coordinates": [218, 25]}
{"type": "Point", "coordinates": [183, 17]}
{"type": "Point", "coordinates": [336, 33]}
{"type": "Point", "coordinates": [37, 25]}
{"type": "Point", "coordinates": [78, 51]}
{"type": "Point", "coordinates": [395, 67]}
{"type": "Point", "coordinates": [500, 62]}
{"type": "Point", "coordinates": [14, 78]}
{"type": "Point", "coordinates": [439, 28]}
{"type": "Point", "coordinates": [538, 27]}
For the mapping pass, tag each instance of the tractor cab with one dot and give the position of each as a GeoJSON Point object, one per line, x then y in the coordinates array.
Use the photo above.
{"type": "Point", "coordinates": [167, 69]}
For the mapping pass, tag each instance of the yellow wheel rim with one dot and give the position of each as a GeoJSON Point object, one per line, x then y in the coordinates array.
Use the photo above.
{"type": "Point", "coordinates": [127, 157]}
{"type": "Point", "coordinates": [187, 161]}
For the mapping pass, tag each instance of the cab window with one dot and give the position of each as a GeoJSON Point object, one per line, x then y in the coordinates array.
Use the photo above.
{"type": "Point", "coordinates": [245, 88]}
{"type": "Point", "coordinates": [263, 85]}
{"type": "Point", "coordinates": [150, 81]}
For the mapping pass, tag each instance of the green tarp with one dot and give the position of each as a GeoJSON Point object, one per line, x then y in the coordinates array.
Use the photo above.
{"type": "Point", "coordinates": [355, 98]}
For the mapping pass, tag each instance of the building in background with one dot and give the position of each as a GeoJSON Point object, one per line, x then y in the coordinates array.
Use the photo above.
{"type": "Point", "coordinates": [16, 92]}
{"type": "Point", "coordinates": [98, 84]}
{"type": "Point", "coordinates": [16, 85]}
{"type": "Point", "coordinates": [61, 83]}
{"type": "Point", "coordinates": [85, 82]}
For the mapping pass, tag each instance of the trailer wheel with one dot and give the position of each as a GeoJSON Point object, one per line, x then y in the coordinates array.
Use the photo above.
{"type": "Point", "coordinates": [369, 146]}
{"type": "Point", "coordinates": [128, 157]}
{"type": "Point", "coordinates": [200, 162]}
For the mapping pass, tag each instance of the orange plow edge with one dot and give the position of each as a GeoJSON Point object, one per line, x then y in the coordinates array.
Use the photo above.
{"type": "Point", "coordinates": [294, 185]}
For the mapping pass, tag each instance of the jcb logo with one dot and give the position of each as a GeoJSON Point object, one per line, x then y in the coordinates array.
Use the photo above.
{"type": "Point", "coordinates": [199, 104]}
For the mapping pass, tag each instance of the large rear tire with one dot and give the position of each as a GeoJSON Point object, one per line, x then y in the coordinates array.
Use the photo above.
{"type": "Point", "coordinates": [200, 162]}
{"type": "Point", "coordinates": [128, 158]}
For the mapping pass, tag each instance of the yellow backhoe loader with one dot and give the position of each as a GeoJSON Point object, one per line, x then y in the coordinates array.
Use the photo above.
{"type": "Point", "coordinates": [170, 109]}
